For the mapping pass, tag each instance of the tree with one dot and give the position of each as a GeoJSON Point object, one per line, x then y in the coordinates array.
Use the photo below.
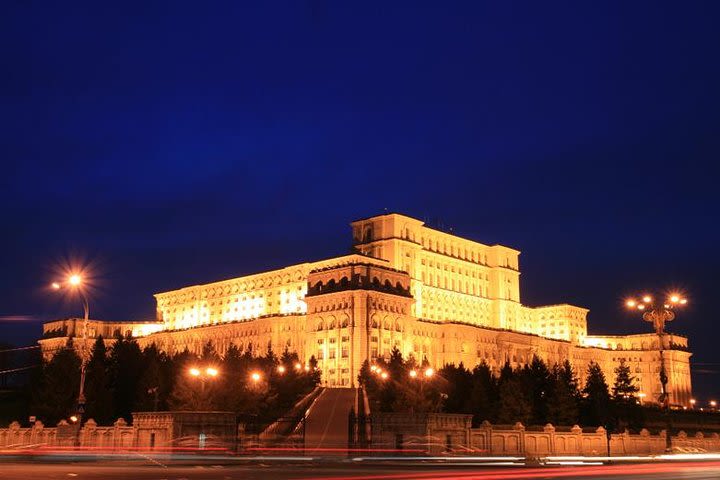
{"type": "Point", "coordinates": [315, 374]}
{"type": "Point", "coordinates": [564, 395]}
{"type": "Point", "coordinates": [126, 362]}
{"type": "Point", "coordinates": [99, 405]}
{"type": "Point", "coordinates": [539, 382]}
{"type": "Point", "coordinates": [209, 354]}
{"type": "Point", "coordinates": [56, 396]}
{"type": "Point", "coordinates": [483, 394]}
{"type": "Point", "coordinates": [458, 386]}
{"type": "Point", "coordinates": [624, 388]}
{"type": "Point", "coordinates": [626, 409]}
{"type": "Point", "coordinates": [155, 382]}
{"type": "Point", "coordinates": [234, 373]}
{"type": "Point", "coordinates": [514, 402]}
{"type": "Point", "coordinates": [596, 402]}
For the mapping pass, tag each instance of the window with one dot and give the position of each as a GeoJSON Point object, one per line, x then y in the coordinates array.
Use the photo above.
{"type": "Point", "coordinates": [344, 352]}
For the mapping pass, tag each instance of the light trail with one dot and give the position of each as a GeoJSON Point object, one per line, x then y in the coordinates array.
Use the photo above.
{"type": "Point", "coordinates": [545, 473]}
{"type": "Point", "coordinates": [19, 369]}
{"type": "Point", "coordinates": [17, 349]}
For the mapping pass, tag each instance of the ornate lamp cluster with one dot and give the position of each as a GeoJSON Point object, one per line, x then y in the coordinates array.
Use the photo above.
{"type": "Point", "coordinates": [656, 312]}
{"type": "Point", "coordinates": [659, 313]}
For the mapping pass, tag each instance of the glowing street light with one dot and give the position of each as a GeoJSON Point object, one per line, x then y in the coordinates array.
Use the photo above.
{"type": "Point", "coordinates": [429, 372]}
{"type": "Point", "coordinates": [713, 403]}
{"type": "Point", "coordinates": [255, 376]}
{"type": "Point", "coordinates": [384, 375]}
{"type": "Point", "coordinates": [281, 369]}
{"type": "Point", "coordinates": [659, 314]}
{"type": "Point", "coordinates": [203, 374]}
{"type": "Point", "coordinates": [693, 402]}
{"type": "Point", "coordinates": [74, 281]}
{"type": "Point", "coordinates": [298, 366]}
{"type": "Point", "coordinates": [413, 373]}
{"type": "Point", "coordinates": [207, 372]}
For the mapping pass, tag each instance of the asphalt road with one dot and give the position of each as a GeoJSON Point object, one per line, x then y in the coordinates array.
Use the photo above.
{"type": "Point", "coordinates": [272, 470]}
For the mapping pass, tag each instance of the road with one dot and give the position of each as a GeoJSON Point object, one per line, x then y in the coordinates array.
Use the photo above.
{"type": "Point", "coordinates": [326, 425]}
{"type": "Point", "coordinates": [312, 470]}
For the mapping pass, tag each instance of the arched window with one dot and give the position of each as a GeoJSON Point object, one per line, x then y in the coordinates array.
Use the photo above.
{"type": "Point", "coordinates": [368, 235]}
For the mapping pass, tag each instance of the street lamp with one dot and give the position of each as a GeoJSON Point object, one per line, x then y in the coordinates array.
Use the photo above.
{"type": "Point", "coordinates": [203, 374]}
{"type": "Point", "coordinates": [75, 283]}
{"type": "Point", "coordinates": [659, 313]}
{"type": "Point", "coordinates": [693, 402]}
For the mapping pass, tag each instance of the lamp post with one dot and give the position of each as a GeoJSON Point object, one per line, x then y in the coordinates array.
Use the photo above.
{"type": "Point", "coordinates": [75, 283]}
{"type": "Point", "coordinates": [659, 314]}
{"type": "Point", "coordinates": [203, 374]}
{"type": "Point", "coordinates": [421, 377]}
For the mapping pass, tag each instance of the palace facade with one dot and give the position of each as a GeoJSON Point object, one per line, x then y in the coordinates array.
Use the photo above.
{"type": "Point", "coordinates": [431, 294]}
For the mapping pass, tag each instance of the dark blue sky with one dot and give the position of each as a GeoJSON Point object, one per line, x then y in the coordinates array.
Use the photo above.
{"type": "Point", "coordinates": [174, 143]}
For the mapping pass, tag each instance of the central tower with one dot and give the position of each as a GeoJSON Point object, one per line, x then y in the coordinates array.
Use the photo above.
{"type": "Point", "coordinates": [452, 278]}
{"type": "Point", "coordinates": [355, 312]}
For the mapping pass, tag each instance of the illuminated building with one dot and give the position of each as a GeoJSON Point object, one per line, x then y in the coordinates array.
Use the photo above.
{"type": "Point", "coordinates": [431, 294]}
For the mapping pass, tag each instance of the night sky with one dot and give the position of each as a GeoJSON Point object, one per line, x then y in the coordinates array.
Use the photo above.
{"type": "Point", "coordinates": [172, 143]}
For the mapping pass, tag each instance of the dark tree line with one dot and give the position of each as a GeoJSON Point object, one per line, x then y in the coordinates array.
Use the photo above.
{"type": "Point", "coordinates": [533, 394]}
{"type": "Point", "coordinates": [125, 378]}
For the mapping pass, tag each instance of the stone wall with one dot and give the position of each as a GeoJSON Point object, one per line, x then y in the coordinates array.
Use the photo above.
{"type": "Point", "coordinates": [118, 436]}
{"type": "Point", "coordinates": [447, 433]}
{"type": "Point", "coordinates": [150, 430]}
{"type": "Point", "coordinates": [550, 441]}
